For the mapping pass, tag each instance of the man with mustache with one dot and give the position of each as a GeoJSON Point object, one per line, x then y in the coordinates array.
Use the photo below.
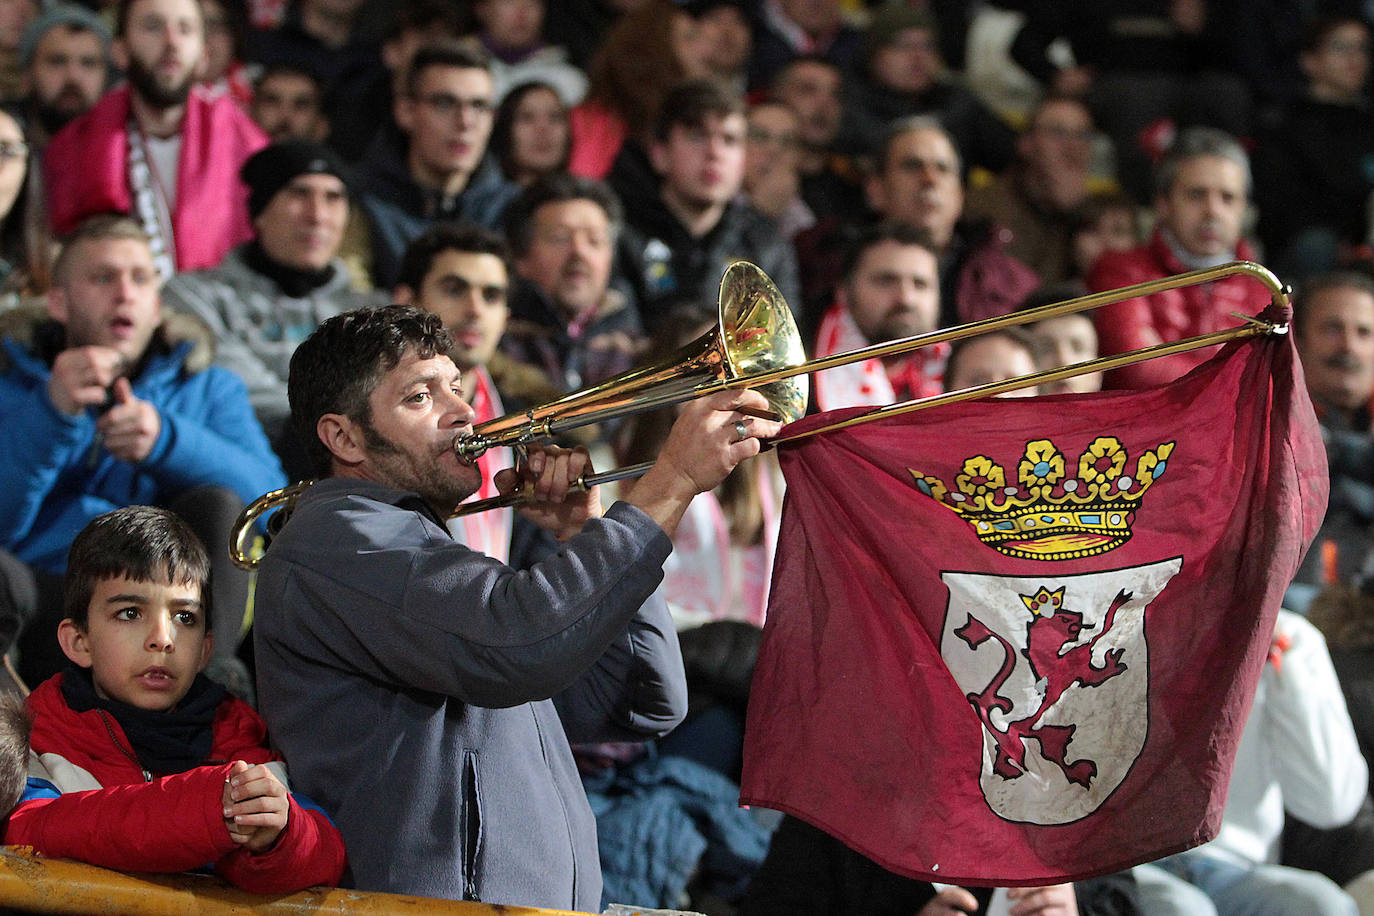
{"type": "Point", "coordinates": [1334, 332]}
{"type": "Point", "coordinates": [156, 150]}
{"type": "Point", "coordinates": [890, 290]}
{"type": "Point", "coordinates": [566, 318]}
{"type": "Point", "coordinates": [65, 54]}
{"type": "Point", "coordinates": [270, 293]}
{"type": "Point", "coordinates": [426, 693]}
{"type": "Point", "coordinates": [1202, 187]}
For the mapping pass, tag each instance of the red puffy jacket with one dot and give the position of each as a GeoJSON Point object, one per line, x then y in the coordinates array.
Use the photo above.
{"type": "Point", "coordinates": [1167, 316]}
{"type": "Point", "coordinates": [108, 814]}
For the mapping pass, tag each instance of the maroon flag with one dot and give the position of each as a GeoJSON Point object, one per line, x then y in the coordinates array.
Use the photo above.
{"type": "Point", "coordinates": [1013, 642]}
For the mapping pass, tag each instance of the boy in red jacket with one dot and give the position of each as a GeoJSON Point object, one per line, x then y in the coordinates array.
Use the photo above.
{"type": "Point", "coordinates": [139, 763]}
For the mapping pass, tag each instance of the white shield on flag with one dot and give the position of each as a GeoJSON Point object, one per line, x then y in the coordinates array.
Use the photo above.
{"type": "Point", "coordinates": [1057, 669]}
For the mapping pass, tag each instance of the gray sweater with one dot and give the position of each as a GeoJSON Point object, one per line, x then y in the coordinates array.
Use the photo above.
{"type": "Point", "coordinates": [257, 326]}
{"type": "Point", "coordinates": [425, 694]}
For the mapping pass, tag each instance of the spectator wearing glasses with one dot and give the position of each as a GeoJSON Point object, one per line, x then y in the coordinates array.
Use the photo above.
{"type": "Point", "coordinates": [436, 168]}
{"type": "Point", "coordinates": [23, 267]}
{"type": "Point", "coordinates": [1038, 199]}
{"type": "Point", "coordinates": [772, 167]}
{"type": "Point", "coordinates": [1314, 172]}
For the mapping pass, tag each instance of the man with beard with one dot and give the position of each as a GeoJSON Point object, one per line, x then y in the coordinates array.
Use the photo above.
{"type": "Point", "coordinates": [65, 55]}
{"type": "Point", "coordinates": [1202, 187]}
{"type": "Point", "coordinates": [461, 273]}
{"type": "Point", "coordinates": [288, 104]}
{"type": "Point", "coordinates": [890, 290]}
{"type": "Point", "coordinates": [155, 149]}
{"type": "Point", "coordinates": [426, 693]}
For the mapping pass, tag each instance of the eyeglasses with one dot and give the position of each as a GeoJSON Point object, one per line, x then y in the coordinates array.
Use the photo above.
{"type": "Point", "coordinates": [446, 105]}
{"type": "Point", "coordinates": [763, 135]}
{"type": "Point", "coordinates": [13, 149]}
{"type": "Point", "coordinates": [1339, 46]}
{"type": "Point", "coordinates": [912, 41]}
{"type": "Point", "coordinates": [1065, 133]}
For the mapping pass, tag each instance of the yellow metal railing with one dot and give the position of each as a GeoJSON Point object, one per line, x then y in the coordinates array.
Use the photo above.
{"type": "Point", "coordinates": [30, 883]}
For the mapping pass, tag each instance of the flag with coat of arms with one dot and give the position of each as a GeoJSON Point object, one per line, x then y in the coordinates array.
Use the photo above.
{"type": "Point", "coordinates": [1014, 642]}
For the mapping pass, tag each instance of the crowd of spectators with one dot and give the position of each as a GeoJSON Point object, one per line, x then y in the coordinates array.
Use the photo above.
{"type": "Point", "coordinates": [564, 183]}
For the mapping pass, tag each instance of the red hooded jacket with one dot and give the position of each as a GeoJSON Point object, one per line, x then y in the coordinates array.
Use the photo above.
{"type": "Point", "coordinates": [108, 814]}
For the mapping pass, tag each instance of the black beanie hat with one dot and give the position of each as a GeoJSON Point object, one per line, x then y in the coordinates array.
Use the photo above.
{"type": "Point", "coordinates": [274, 167]}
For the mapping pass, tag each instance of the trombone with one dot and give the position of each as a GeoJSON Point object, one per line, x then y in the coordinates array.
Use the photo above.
{"type": "Point", "coordinates": [755, 344]}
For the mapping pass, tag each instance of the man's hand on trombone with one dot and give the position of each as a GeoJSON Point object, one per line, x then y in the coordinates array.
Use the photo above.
{"type": "Point", "coordinates": [710, 436]}
{"type": "Point", "coordinates": [551, 477]}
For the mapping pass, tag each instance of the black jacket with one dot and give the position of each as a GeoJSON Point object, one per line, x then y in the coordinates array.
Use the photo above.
{"type": "Point", "coordinates": [665, 265]}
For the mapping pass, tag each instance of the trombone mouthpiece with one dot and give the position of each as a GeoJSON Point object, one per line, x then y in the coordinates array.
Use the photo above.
{"type": "Point", "coordinates": [470, 448]}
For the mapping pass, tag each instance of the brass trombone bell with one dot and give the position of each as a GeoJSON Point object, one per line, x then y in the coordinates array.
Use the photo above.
{"type": "Point", "coordinates": [756, 345]}
{"type": "Point", "coordinates": [754, 333]}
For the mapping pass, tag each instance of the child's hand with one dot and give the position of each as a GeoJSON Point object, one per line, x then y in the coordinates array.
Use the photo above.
{"type": "Point", "coordinates": [236, 833]}
{"type": "Point", "coordinates": [256, 806]}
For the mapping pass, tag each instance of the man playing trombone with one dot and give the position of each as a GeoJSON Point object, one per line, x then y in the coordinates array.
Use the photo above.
{"type": "Point", "coordinates": [425, 693]}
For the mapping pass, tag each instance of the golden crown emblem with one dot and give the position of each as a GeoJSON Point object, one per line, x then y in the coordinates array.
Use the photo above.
{"type": "Point", "coordinates": [1049, 515]}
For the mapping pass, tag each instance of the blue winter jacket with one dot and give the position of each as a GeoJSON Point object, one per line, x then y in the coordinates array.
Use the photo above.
{"type": "Point", "coordinates": [55, 477]}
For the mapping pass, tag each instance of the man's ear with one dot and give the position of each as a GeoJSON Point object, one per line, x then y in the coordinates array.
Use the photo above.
{"type": "Point", "coordinates": [1307, 63]}
{"type": "Point", "coordinates": [343, 437]}
{"type": "Point", "coordinates": [75, 642]}
{"type": "Point", "coordinates": [876, 193]}
{"type": "Point", "coordinates": [658, 157]}
{"type": "Point", "coordinates": [403, 110]}
{"type": "Point", "coordinates": [403, 294]}
{"type": "Point", "coordinates": [57, 305]}
{"type": "Point", "coordinates": [391, 54]}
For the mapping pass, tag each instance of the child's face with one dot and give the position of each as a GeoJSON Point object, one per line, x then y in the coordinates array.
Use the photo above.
{"type": "Point", "coordinates": [1063, 341]}
{"type": "Point", "coordinates": [144, 641]}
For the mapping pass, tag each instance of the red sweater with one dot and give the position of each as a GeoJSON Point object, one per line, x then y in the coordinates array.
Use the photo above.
{"type": "Point", "coordinates": [108, 815]}
{"type": "Point", "coordinates": [1167, 316]}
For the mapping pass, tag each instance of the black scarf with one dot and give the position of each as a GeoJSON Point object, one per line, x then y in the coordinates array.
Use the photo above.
{"type": "Point", "coordinates": [292, 281]}
{"type": "Point", "coordinates": [165, 742]}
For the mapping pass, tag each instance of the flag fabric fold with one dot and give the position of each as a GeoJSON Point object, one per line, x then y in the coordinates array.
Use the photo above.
{"type": "Point", "coordinates": [1014, 642]}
